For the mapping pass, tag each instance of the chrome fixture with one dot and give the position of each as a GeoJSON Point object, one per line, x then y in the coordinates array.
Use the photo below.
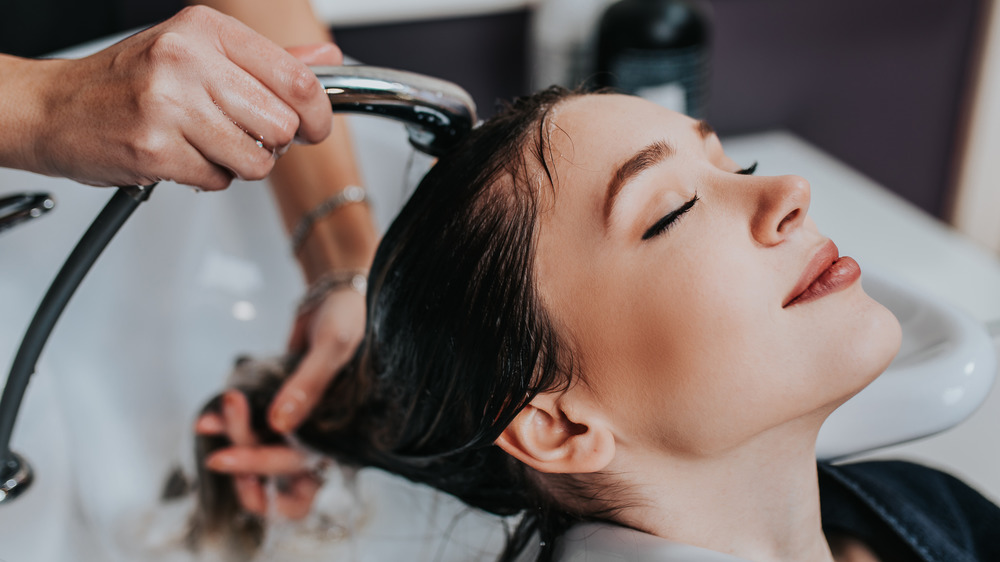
{"type": "Point", "coordinates": [437, 113]}
{"type": "Point", "coordinates": [20, 207]}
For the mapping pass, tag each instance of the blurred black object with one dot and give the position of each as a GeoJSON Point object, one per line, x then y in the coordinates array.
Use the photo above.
{"type": "Point", "coordinates": [656, 49]}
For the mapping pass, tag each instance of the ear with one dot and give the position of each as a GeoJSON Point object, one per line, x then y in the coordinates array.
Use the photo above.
{"type": "Point", "coordinates": [545, 438]}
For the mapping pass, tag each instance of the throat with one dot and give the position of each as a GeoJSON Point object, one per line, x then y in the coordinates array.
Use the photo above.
{"type": "Point", "coordinates": [846, 548]}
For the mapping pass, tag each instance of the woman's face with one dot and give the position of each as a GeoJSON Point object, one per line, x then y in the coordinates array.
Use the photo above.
{"type": "Point", "coordinates": [672, 273]}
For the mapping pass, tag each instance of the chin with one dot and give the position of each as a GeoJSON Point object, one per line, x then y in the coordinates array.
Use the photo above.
{"type": "Point", "coordinates": [867, 338]}
{"type": "Point", "coordinates": [879, 336]}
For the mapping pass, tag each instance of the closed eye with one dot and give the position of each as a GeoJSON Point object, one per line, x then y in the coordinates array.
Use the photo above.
{"type": "Point", "coordinates": [749, 170]}
{"type": "Point", "coordinates": [669, 219]}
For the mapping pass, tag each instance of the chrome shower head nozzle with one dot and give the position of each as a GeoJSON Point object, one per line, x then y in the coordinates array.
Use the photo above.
{"type": "Point", "coordinates": [437, 113]}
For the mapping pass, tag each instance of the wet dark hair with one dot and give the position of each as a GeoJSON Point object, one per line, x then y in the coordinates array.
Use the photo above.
{"type": "Point", "coordinates": [218, 517]}
{"type": "Point", "coordinates": [458, 341]}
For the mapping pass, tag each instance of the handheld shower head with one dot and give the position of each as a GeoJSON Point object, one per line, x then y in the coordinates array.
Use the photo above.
{"type": "Point", "coordinates": [437, 113]}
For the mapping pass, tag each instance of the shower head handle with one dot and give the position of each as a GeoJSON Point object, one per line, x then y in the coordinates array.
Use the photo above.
{"type": "Point", "coordinates": [437, 113]}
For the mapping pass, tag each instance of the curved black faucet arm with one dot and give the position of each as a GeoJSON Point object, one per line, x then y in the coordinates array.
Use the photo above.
{"type": "Point", "coordinates": [112, 217]}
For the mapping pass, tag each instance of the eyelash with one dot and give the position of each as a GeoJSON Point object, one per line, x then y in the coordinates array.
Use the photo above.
{"type": "Point", "coordinates": [670, 218]}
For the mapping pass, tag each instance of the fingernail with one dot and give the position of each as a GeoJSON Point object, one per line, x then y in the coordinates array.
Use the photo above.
{"type": "Point", "coordinates": [221, 461]}
{"type": "Point", "coordinates": [245, 484]}
{"type": "Point", "coordinates": [209, 424]}
{"type": "Point", "coordinates": [230, 400]}
{"type": "Point", "coordinates": [285, 414]}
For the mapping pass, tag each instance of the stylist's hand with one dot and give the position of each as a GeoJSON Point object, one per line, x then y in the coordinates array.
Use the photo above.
{"type": "Point", "coordinates": [328, 336]}
{"type": "Point", "coordinates": [247, 461]}
{"type": "Point", "coordinates": [199, 99]}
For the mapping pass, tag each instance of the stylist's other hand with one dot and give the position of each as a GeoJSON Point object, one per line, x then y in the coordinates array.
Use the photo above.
{"type": "Point", "coordinates": [247, 461]}
{"type": "Point", "coordinates": [328, 336]}
{"type": "Point", "coordinates": [199, 99]}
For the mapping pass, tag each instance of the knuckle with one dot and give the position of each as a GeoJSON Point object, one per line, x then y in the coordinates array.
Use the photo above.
{"type": "Point", "coordinates": [170, 47]}
{"type": "Point", "coordinates": [215, 180]}
{"type": "Point", "coordinates": [197, 13]}
{"type": "Point", "coordinates": [257, 166]}
{"type": "Point", "coordinates": [302, 85]}
{"type": "Point", "coordinates": [150, 149]}
{"type": "Point", "coordinates": [287, 123]}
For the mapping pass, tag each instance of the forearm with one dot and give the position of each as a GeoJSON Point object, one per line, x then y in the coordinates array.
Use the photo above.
{"type": "Point", "coordinates": [286, 22]}
{"type": "Point", "coordinates": [307, 175]}
{"type": "Point", "coordinates": [162, 104]}
{"type": "Point", "coordinates": [22, 111]}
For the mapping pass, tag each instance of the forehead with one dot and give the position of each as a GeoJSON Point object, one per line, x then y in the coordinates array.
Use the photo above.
{"type": "Point", "coordinates": [597, 132]}
{"type": "Point", "coordinates": [587, 138]}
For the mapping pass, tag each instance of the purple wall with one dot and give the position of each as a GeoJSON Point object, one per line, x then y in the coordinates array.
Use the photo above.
{"type": "Point", "coordinates": [878, 83]}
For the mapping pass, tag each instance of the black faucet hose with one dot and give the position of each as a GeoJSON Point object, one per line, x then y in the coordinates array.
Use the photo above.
{"type": "Point", "coordinates": [101, 231]}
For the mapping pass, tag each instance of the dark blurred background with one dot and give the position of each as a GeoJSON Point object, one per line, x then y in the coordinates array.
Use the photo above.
{"type": "Point", "coordinates": [877, 83]}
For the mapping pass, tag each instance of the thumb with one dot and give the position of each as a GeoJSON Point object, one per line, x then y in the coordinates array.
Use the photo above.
{"type": "Point", "coordinates": [318, 54]}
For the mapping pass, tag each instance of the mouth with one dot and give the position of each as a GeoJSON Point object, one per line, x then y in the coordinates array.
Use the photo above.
{"type": "Point", "coordinates": [826, 273]}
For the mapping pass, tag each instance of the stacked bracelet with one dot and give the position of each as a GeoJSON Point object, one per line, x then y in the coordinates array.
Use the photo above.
{"type": "Point", "coordinates": [350, 194]}
{"type": "Point", "coordinates": [356, 280]}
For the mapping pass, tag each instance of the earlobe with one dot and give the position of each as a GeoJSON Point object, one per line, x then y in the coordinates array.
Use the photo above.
{"type": "Point", "coordinates": [543, 437]}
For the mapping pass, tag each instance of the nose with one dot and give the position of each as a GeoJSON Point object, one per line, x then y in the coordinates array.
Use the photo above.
{"type": "Point", "coordinates": [780, 207]}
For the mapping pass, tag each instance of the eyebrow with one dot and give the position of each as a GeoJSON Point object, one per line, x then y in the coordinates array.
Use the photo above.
{"type": "Point", "coordinates": [646, 158]}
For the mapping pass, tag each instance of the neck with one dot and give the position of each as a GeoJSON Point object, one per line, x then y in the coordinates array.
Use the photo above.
{"type": "Point", "coordinates": [759, 501]}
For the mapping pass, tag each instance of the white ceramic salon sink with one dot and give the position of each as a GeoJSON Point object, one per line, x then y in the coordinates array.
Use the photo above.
{"type": "Point", "coordinates": [193, 280]}
{"type": "Point", "coordinates": [944, 370]}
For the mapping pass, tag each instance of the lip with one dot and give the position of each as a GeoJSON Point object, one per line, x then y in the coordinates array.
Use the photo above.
{"type": "Point", "coordinates": [826, 273]}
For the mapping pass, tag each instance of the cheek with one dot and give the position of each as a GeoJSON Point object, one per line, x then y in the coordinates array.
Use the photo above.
{"type": "Point", "coordinates": [704, 357]}
{"type": "Point", "coordinates": [700, 350]}
{"type": "Point", "coordinates": [711, 306]}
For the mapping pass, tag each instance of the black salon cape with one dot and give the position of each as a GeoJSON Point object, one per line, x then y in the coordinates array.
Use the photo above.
{"type": "Point", "coordinates": [907, 512]}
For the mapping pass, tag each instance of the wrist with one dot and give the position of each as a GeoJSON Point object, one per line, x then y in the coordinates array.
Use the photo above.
{"type": "Point", "coordinates": [338, 280]}
{"type": "Point", "coordinates": [23, 107]}
{"type": "Point", "coordinates": [344, 239]}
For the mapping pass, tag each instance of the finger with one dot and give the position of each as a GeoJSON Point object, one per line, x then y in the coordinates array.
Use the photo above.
{"type": "Point", "coordinates": [210, 424]}
{"type": "Point", "coordinates": [185, 164]}
{"type": "Point", "coordinates": [251, 493]}
{"type": "Point", "coordinates": [303, 390]}
{"type": "Point", "coordinates": [320, 54]}
{"type": "Point", "coordinates": [236, 413]}
{"type": "Point", "coordinates": [255, 108]}
{"type": "Point", "coordinates": [280, 72]}
{"type": "Point", "coordinates": [266, 461]}
{"type": "Point", "coordinates": [221, 141]}
{"type": "Point", "coordinates": [297, 500]}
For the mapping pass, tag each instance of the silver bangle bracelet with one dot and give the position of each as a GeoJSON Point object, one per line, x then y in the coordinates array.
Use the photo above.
{"type": "Point", "coordinates": [354, 279]}
{"type": "Point", "coordinates": [350, 194]}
